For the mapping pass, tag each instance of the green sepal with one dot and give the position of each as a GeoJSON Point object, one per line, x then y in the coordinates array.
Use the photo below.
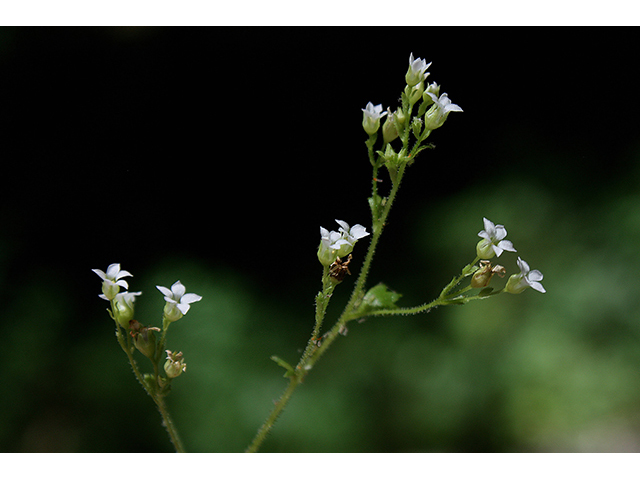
{"type": "Point", "coordinates": [469, 270]}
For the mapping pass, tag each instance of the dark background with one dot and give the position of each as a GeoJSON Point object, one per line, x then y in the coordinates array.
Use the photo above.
{"type": "Point", "coordinates": [213, 155]}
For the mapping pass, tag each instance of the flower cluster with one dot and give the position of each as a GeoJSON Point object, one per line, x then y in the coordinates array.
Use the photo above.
{"type": "Point", "coordinates": [338, 244]}
{"type": "Point", "coordinates": [433, 110]}
{"type": "Point", "coordinates": [122, 302]}
{"type": "Point", "coordinates": [493, 243]}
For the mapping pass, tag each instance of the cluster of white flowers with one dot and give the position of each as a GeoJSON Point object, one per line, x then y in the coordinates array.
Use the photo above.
{"type": "Point", "coordinates": [493, 244]}
{"type": "Point", "coordinates": [177, 299]}
{"type": "Point", "coordinates": [416, 75]}
{"type": "Point", "coordinates": [338, 244]}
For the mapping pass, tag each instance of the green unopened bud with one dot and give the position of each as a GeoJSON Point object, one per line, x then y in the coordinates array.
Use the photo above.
{"type": "Point", "coordinates": [414, 93]}
{"type": "Point", "coordinates": [143, 338]}
{"type": "Point", "coordinates": [389, 130]}
{"type": "Point", "coordinates": [427, 100]}
{"type": "Point", "coordinates": [416, 126]}
{"type": "Point", "coordinates": [174, 365]}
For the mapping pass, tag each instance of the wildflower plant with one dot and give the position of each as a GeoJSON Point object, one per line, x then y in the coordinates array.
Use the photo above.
{"type": "Point", "coordinates": [405, 132]}
{"type": "Point", "coordinates": [149, 341]}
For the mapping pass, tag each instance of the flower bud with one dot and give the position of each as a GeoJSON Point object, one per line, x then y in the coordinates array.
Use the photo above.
{"type": "Point", "coordinates": [434, 89]}
{"type": "Point", "coordinates": [389, 130]}
{"type": "Point", "coordinates": [143, 338]}
{"type": "Point", "coordinates": [174, 365]}
{"type": "Point", "coordinates": [414, 93]}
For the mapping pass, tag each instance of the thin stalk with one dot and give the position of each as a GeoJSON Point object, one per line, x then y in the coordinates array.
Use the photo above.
{"type": "Point", "coordinates": [167, 421]}
{"type": "Point", "coordinates": [315, 349]}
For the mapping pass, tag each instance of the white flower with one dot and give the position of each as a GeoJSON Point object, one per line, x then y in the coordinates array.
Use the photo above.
{"type": "Point", "coordinates": [439, 111]}
{"type": "Point", "coordinates": [123, 311]}
{"type": "Point", "coordinates": [416, 72]}
{"type": "Point", "coordinates": [111, 280]}
{"type": "Point", "coordinates": [177, 300]}
{"type": "Point", "coordinates": [493, 243]}
{"type": "Point", "coordinates": [371, 118]}
{"type": "Point", "coordinates": [526, 278]}
{"type": "Point", "coordinates": [338, 244]}
{"type": "Point", "coordinates": [353, 234]}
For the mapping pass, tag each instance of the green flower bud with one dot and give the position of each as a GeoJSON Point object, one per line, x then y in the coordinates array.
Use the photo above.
{"type": "Point", "coordinates": [414, 93]}
{"type": "Point", "coordinates": [389, 130]}
{"type": "Point", "coordinates": [174, 365]}
{"type": "Point", "coordinates": [143, 338]}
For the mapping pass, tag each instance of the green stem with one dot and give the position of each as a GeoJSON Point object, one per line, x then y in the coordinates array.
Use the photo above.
{"type": "Point", "coordinates": [167, 421]}
{"type": "Point", "coordinates": [294, 381]}
{"type": "Point", "coordinates": [313, 352]}
{"type": "Point", "coordinates": [316, 346]}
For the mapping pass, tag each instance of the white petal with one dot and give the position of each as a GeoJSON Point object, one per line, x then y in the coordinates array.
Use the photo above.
{"type": "Point", "coordinates": [183, 307]}
{"type": "Point", "coordinates": [535, 276]}
{"type": "Point", "coordinates": [358, 231]}
{"type": "Point", "coordinates": [537, 286]}
{"type": "Point", "coordinates": [489, 226]}
{"type": "Point", "coordinates": [500, 232]}
{"type": "Point", "coordinates": [190, 298]}
{"type": "Point", "coordinates": [506, 245]}
{"type": "Point", "coordinates": [344, 225]}
{"type": "Point", "coordinates": [178, 290]}
{"type": "Point", "coordinates": [100, 273]}
{"type": "Point", "coordinates": [123, 273]}
{"type": "Point", "coordinates": [113, 269]}
{"type": "Point", "coordinates": [165, 291]}
{"type": "Point", "coordinates": [524, 266]}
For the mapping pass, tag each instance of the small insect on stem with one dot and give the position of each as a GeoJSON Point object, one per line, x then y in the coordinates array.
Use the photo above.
{"type": "Point", "coordinates": [339, 269]}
